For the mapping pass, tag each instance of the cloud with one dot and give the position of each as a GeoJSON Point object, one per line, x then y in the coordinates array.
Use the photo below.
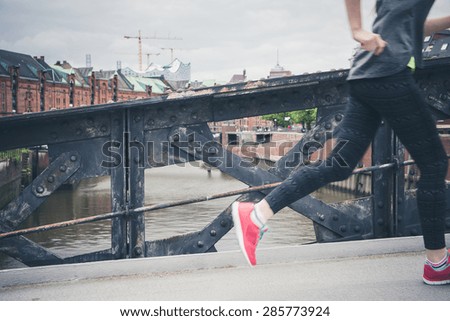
{"type": "Point", "coordinates": [220, 38]}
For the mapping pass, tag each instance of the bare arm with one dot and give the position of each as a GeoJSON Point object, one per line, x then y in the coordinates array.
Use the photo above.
{"type": "Point", "coordinates": [369, 41]}
{"type": "Point", "coordinates": [436, 24]}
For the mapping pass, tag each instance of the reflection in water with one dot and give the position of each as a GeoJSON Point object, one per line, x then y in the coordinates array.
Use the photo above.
{"type": "Point", "coordinates": [92, 196]}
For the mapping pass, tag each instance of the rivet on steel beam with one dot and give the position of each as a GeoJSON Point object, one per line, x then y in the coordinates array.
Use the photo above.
{"type": "Point", "coordinates": [213, 150]}
{"type": "Point", "coordinates": [137, 119]}
{"type": "Point", "coordinates": [103, 129]}
{"type": "Point", "coordinates": [322, 217]}
{"type": "Point", "coordinates": [213, 233]}
{"type": "Point", "coordinates": [191, 138]}
{"type": "Point", "coordinates": [51, 179]}
{"type": "Point", "coordinates": [173, 119]}
{"type": "Point", "coordinates": [380, 204]}
{"type": "Point", "coordinates": [198, 149]}
{"type": "Point", "coordinates": [335, 218]}
{"type": "Point", "coordinates": [380, 221]}
{"type": "Point", "coordinates": [40, 189]}
{"type": "Point", "coordinates": [200, 244]}
{"type": "Point", "coordinates": [150, 122]}
{"type": "Point", "coordinates": [138, 251]}
{"type": "Point", "coordinates": [73, 158]}
{"type": "Point", "coordinates": [63, 168]}
{"type": "Point", "coordinates": [338, 117]}
{"type": "Point", "coordinates": [317, 136]}
{"type": "Point", "coordinates": [223, 223]}
{"type": "Point", "coordinates": [328, 126]}
{"type": "Point", "coordinates": [176, 138]}
{"type": "Point", "coordinates": [357, 229]}
{"type": "Point", "coordinates": [343, 228]}
{"type": "Point", "coordinates": [194, 115]}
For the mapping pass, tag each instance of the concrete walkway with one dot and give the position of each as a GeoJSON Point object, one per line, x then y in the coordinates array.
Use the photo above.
{"type": "Point", "coordinates": [386, 269]}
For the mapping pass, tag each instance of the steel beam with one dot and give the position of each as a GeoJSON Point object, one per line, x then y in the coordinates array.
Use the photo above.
{"type": "Point", "coordinates": [193, 143]}
{"type": "Point", "coordinates": [135, 180]}
{"type": "Point", "coordinates": [253, 98]}
{"type": "Point", "coordinates": [119, 234]}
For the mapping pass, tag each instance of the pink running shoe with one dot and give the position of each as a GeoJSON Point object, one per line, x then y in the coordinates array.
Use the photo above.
{"type": "Point", "coordinates": [248, 233]}
{"type": "Point", "coordinates": [437, 275]}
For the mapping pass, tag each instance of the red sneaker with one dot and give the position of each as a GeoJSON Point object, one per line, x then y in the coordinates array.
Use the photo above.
{"type": "Point", "coordinates": [248, 233]}
{"type": "Point", "coordinates": [437, 275]}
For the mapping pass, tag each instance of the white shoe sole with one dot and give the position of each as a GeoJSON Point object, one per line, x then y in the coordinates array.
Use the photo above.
{"type": "Point", "coordinates": [436, 282]}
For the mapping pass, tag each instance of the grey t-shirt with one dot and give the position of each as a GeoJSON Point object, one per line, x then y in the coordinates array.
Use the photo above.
{"type": "Point", "coordinates": [400, 23]}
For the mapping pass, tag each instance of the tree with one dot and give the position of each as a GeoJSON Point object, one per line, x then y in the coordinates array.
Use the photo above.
{"type": "Point", "coordinates": [304, 117]}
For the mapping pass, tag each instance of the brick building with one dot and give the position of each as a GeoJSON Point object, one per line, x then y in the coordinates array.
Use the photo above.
{"type": "Point", "coordinates": [29, 84]}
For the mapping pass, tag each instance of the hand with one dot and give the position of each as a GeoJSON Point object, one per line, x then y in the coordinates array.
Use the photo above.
{"type": "Point", "coordinates": [370, 41]}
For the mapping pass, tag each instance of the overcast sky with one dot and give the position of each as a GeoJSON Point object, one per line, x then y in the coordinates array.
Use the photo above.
{"type": "Point", "coordinates": [219, 38]}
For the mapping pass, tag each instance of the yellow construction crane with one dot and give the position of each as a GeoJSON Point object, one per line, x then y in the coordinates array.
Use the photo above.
{"type": "Point", "coordinates": [139, 38]}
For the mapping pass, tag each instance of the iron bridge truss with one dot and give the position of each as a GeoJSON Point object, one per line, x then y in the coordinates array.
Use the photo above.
{"type": "Point", "coordinates": [116, 139]}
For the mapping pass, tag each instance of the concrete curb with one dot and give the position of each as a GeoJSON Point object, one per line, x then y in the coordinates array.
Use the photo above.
{"type": "Point", "coordinates": [221, 260]}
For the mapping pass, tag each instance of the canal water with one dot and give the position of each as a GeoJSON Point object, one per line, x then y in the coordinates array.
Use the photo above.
{"type": "Point", "coordinates": [177, 182]}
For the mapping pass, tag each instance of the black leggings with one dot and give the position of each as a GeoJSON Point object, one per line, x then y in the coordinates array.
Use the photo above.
{"type": "Point", "coordinates": [398, 101]}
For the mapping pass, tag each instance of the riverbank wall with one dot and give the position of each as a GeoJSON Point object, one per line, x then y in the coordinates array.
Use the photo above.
{"type": "Point", "coordinates": [17, 169]}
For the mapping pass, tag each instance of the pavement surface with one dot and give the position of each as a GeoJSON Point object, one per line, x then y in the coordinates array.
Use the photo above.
{"type": "Point", "coordinates": [371, 270]}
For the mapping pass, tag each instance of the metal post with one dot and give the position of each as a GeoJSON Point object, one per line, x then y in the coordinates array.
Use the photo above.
{"type": "Point", "coordinates": [136, 181]}
{"type": "Point", "coordinates": [399, 197]}
{"type": "Point", "coordinates": [118, 190]}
